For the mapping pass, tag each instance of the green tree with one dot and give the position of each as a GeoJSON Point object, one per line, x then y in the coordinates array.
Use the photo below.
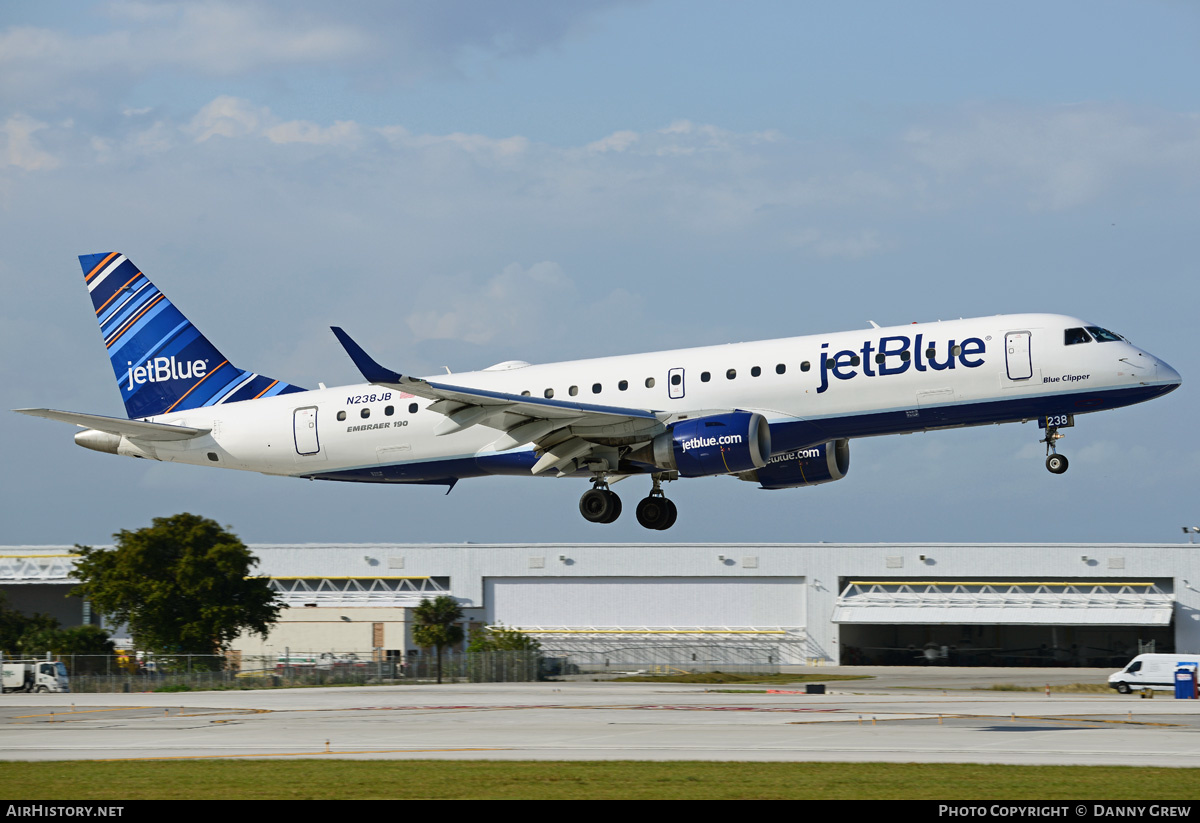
{"type": "Point", "coordinates": [21, 633]}
{"type": "Point", "coordinates": [501, 638]}
{"type": "Point", "coordinates": [91, 640]}
{"type": "Point", "coordinates": [437, 626]}
{"type": "Point", "coordinates": [182, 585]}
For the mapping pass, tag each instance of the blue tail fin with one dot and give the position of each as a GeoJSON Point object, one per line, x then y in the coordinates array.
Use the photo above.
{"type": "Point", "coordinates": [162, 362]}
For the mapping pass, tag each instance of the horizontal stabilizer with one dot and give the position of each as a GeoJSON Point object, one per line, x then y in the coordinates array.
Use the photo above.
{"type": "Point", "coordinates": [134, 429]}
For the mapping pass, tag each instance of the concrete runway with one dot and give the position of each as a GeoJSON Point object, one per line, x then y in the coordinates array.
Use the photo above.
{"type": "Point", "coordinates": [904, 715]}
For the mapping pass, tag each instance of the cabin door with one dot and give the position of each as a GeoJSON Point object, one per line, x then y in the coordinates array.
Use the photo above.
{"type": "Point", "coordinates": [305, 426]}
{"type": "Point", "coordinates": [1018, 355]}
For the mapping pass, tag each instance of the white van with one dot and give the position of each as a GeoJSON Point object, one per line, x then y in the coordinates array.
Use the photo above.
{"type": "Point", "coordinates": [1150, 671]}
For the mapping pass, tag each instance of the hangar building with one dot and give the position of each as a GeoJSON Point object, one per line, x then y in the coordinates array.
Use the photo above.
{"type": "Point", "coordinates": [720, 604]}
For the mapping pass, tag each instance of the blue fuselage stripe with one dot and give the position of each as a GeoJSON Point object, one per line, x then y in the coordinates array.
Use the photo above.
{"type": "Point", "coordinates": [785, 435]}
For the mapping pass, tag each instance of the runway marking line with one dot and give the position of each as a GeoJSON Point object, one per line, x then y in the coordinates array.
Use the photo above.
{"type": "Point", "coordinates": [141, 708]}
{"type": "Point", "coordinates": [84, 711]}
{"type": "Point", "coordinates": [1001, 719]}
{"type": "Point", "coordinates": [296, 754]}
{"type": "Point", "coordinates": [645, 707]}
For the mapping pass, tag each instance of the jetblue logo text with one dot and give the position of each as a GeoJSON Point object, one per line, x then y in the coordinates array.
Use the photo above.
{"type": "Point", "coordinates": [802, 454]}
{"type": "Point", "coordinates": [705, 442]}
{"type": "Point", "coordinates": [897, 355]}
{"type": "Point", "coordinates": [162, 369]}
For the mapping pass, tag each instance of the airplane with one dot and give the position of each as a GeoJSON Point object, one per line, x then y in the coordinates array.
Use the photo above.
{"type": "Point", "coordinates": [780, 413]}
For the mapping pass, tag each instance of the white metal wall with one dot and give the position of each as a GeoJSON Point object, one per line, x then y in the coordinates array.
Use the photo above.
{"type": "Point", "coordinates": [631, 602]}
{"type": "Point", "coordinates": [705, 583]}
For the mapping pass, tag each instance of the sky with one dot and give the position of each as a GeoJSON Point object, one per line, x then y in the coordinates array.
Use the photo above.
{"type": "Point", "coordinates": [461, 183]}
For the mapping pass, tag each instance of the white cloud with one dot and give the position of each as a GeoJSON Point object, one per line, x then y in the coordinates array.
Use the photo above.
{"type": "Point", "coordinates": [1058, 158]}
{"type": "Point", "coordinates": [230, 117]}
{"type": "Point", "coordinates": [617, 141]}
{"type": "Point", "coordinates": [224, 38]}
{"type": "Point", "coordinates": [233, 117]}
{"type": "Point", "coordinates": [19, 147]}
{"type": "Point", "coordinates": [511, 307]}
{"type": "Point", "coordinates": [472, 143]}
{"type": "Point", "coordinates": [341, 132]}
{"type": "Point", "coordinates": [682, 137]}
{"type": "Point", "coordinates": [373, 43]}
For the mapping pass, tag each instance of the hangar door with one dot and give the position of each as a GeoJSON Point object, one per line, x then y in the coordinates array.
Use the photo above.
{"type": "Point", "coordinates": [690, 621]}
{"type": "Point", "coordinates": [1002, 623]}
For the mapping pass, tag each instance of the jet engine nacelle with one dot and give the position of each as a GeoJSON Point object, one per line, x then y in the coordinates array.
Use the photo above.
{"type": "Point", "coordinates": [716, 444]}
{"type": "Point", "coordinates": [804, 467]}
{"type": "Point", "coordinates": [109, 443]}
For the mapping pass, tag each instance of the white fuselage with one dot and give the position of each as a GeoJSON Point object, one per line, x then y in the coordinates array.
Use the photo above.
{"type": "Point", "coordinates": [810, 389]}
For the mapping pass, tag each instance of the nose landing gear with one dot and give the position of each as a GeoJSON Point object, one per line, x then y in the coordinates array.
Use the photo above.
{"type": "Point", "coordinates": [1055, 462]}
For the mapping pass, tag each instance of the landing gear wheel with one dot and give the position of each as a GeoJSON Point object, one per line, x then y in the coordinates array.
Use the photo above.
{"type": "Point", "coordinates": [652, 512]}
{"type": "Point", "coordinates": [657, 512]}
{"type": "Point", "coordinates": [1056, 463]}
{"type": "Point", "coordinates": [600, 506]}
{"type": "Point", "coordinates": [616, 507]}
{"type": "Point", "coordinates": [673, 513]}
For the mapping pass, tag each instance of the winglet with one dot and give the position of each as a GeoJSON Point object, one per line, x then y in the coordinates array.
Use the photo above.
{"type": "Point", "coordinates": [372, 371]}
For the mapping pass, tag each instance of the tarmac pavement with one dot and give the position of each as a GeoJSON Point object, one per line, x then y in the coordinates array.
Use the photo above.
{"type": "Point", "coordinates": [909, 714]}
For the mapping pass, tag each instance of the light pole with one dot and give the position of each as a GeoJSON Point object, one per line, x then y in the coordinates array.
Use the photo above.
{"type": "Point", "coordinates": [1191, 532]}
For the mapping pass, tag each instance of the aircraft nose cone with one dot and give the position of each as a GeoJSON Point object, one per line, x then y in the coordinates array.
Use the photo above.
{"type": "Point", "coordinates": [1166, 374]}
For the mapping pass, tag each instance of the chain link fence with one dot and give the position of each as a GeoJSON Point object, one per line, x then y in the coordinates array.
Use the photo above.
{"type": "Point", "coordinates": [145, 673]}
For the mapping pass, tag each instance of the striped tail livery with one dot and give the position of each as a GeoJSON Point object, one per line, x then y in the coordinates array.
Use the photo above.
{"type": "Point", "coordinates": [162, 362]}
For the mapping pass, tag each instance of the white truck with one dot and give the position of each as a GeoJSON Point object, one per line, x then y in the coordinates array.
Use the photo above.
{"type": "Point", "coordinates": [34, 676]}
{"type": "Point", "coordinates": [1150, 671]}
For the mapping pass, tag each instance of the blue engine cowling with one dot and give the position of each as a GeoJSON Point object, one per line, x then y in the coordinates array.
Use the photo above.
{"type": "Point", "coordinates": [804, 467]}
{"type": "Point", "coordinates": [717, 444]}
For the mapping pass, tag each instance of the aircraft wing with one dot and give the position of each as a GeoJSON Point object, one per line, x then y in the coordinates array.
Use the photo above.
{"type": "Point", "coordinates": [136, 429]}
{"type": "Point", "coordinates": [564, 431]}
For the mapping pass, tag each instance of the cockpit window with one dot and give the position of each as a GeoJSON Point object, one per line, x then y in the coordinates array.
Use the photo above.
{"type": "Point", "coordinates": [1073, 336]}
{"type": "Point", "coordinates": [1104, 335]}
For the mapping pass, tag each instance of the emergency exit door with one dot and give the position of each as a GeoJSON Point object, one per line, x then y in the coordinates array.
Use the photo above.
{"type": "Point", "coordinates": [675, 384]}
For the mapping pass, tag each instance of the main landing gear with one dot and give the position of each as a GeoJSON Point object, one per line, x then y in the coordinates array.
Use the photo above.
{"type": "Point", "coordinates": [656, 511]}
{"type": "Point", "coordinates": [601, 505]}
{"type": "Point", "coordinates": [1055, 462]}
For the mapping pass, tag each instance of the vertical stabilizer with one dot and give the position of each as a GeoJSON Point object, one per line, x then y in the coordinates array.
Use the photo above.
{"type": "Point", "coordinates": [161, 361]}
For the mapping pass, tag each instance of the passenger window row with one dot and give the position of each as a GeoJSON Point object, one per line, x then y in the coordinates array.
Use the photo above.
{"type": "Point", "coordinates": [676, 379]}
{"type": "Point", "coordinates": [388, 411]}
{"type": "Point", "coordinates": [623, 385]}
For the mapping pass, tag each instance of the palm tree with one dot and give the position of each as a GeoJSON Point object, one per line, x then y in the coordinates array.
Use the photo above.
{"type": "Point", "coordinates": [437, 625]}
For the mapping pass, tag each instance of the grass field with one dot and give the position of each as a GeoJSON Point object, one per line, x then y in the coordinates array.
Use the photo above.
{"type": "Point", "coordinates": [319, 779]}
